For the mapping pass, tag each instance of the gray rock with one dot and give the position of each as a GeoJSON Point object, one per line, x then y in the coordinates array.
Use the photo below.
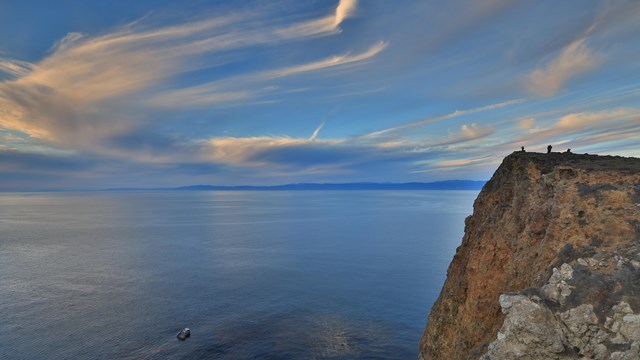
{"type": "Point", "coordinates": [532, 331]}
{"type": "Point", "coordinates": [184, 334]}
{"type": "Point", "coordinates": [582, 331]}
{"type": "Point", "coordinates": [631, 354]}
{"type": "Point", "coordinates": [593, 262]}
{"type": "Point", "coordinates": [557, 289]}
{"type": "Point", "coordinates": [624, 324]}
{"type": "Point", "coordinates": [630, 327]}
{"type": "Point", "coordinates": [529, 331]}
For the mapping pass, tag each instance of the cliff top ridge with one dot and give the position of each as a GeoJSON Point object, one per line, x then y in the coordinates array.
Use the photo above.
{"type": "Point", "coordinates": [582, 161]}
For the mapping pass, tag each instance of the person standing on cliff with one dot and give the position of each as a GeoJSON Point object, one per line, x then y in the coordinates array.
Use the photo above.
{"type": "Point", "coordinates": [522, 149]}
{"type": "Point", "coordinates": [549, 149]}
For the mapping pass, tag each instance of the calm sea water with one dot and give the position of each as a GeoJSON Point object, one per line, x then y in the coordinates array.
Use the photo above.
{"type": "Point", "coordinates": [255, 275]}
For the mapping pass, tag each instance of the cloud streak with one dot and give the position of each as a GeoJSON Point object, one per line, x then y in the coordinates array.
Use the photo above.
{"type": "Point", "coordinates": [285, 157]}
{"type": "Point", "coordinates": [278, 151]}
{"type": "Point", "coordinates": [575, 59]}
{"type": "Point", "coordinates": [431, 120]}
{"type": "Point", "coordinates": [316, 132]}
{"type": "Point", "coordinates": [606, 131]}
{"type": "Point", "coordinates": [91, 89]}
{"type": "Point", "coordinates": [203, 96]}
{"type": "Point", "coordinates": [232, 89]}
{"type": "Point", "coordinates": [15, 68]}
{"type": "Point", "coordinates": [327, 25]}
{"type": "Point", "coordinates": [334, 61]}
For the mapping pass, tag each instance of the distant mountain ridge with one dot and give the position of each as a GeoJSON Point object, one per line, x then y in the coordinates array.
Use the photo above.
{"type": "Point", "coordinates": [437, 185]}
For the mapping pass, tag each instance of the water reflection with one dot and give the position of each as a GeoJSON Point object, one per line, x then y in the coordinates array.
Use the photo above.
{"type": "Point", "coordinates": [270, 275]}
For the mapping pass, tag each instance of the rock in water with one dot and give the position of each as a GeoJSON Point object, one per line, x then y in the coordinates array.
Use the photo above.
{"type": "Point", "coordinates": [184, 334]}
{"type": "Point", "coordinates": [548, 266]}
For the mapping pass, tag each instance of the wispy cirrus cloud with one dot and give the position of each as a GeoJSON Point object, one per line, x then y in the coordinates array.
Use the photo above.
{"type": "Point", "coordinates": [575, 59]}
{"type": "Point", "coordinates": [334, 61]}
{"type": "Point", "coordinates": [167, 96]}
{"type": "Point", "coordinates": [14, 68]}
{"type": "Point", "coordinates": [283, 157]}
{"type": "Point", "coordinates": [283, 152]}
{"type": "Point", "coordinates": [262, 151]}
{"type": "Point", "coordinates": [91, 89]}
{"type": "Point", "coordinates": [326, 25]}
{"type": "Point", "coordinates": [571, 127]}
{"type": "Point", "coordinates": [248, 85]}
{"type": "Point", "coordinates": [316, 131]}
{"type": "Point", "coordinates": [597, 120]}
{"type": "Point", "coordinates": [457, 163]}
{"type": "Point", "coordinates": [605, 130]}
{"type": "Point", "coordinates": [431, 120]}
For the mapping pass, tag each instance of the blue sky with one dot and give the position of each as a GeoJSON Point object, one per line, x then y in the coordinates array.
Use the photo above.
{"type": "Point", "coordinates": [165, 93]}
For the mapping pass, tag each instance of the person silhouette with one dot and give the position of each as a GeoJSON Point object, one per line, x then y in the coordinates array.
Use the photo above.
{"type": "Point", "coordinates": [549, 149]}
{"type": "Point", "coordinates": [522, 148]}
{"type": "Point", "coordinates": [569, 150]}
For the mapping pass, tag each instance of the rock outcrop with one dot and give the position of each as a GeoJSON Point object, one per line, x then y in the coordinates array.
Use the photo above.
{"type": "Point", "coordinates": [549, 266]}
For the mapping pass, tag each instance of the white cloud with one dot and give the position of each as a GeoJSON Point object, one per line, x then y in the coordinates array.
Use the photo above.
{"type": "Point", "coordinates": [345, 9]}
{"type": "Point", "coordinates": [328, 24]}
{"type": "Point", "coordinates": [316, 132]}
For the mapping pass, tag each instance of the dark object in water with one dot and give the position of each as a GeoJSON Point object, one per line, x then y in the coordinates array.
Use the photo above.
{"type": "Point", "coordinates": [184, 334]}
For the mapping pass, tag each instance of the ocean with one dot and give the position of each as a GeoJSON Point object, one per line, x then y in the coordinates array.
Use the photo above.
{"type": "Point", "coordinates": [253, 274]}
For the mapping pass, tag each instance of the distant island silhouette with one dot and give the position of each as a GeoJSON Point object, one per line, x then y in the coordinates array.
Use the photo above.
{"type": "Point", "coordinates": [437, 185]}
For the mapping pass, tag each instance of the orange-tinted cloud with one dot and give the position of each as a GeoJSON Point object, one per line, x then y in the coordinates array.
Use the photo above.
{"type": "Point", "coordinates": [575, 59]}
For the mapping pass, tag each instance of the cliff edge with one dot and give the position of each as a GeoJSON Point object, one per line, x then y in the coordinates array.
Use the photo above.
{"type": "Point", "coordinates": [549, 266]}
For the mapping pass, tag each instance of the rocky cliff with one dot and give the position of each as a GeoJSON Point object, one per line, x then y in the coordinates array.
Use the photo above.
{"type": "Point", "coordinates": [549, 266]}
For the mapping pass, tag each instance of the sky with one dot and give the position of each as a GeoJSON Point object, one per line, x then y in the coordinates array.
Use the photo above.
{"type": "Point", "coordinates": [105, 94]}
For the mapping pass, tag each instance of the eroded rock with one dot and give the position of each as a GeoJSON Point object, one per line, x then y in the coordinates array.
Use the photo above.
{"type": "Point", "coordinates": [530, 331]}
{"type": "Point", "coordinates": [631, 354]}
{"type": "Point", "coordinates": [541, 211]}
{"type": "Point", "coordinates": [533, 331]}
{"type": "Point", "coordinates": [557, 289]}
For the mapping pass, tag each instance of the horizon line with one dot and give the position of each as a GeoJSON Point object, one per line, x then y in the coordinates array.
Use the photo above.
{"type": "Point", "coordinates": [413, 185]}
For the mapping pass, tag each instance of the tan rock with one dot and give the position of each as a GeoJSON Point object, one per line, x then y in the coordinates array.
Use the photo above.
{"type": "Point", "coordinates": [537, 212]}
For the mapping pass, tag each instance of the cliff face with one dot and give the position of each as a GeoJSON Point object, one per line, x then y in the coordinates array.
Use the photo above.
{"type": "Point", "coordinates": [579, 214]}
